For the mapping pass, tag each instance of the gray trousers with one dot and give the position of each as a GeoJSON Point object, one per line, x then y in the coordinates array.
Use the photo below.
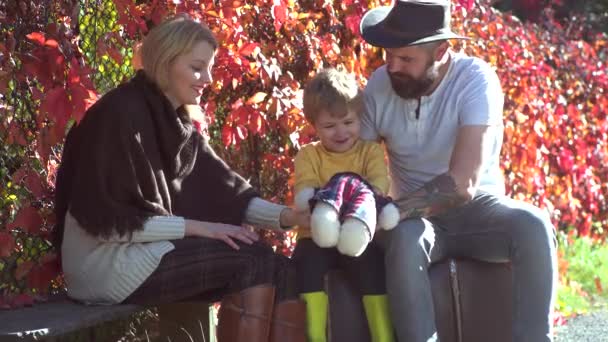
{"type": "Point", "coordinates": [489, 228]}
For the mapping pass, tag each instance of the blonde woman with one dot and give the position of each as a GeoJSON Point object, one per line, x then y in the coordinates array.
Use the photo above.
{"type": "Point", "coordinates": [149, 214]}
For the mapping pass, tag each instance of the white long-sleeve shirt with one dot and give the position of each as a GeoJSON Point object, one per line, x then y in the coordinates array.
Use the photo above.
{"type": "Point", "coordinates": [107, 271]}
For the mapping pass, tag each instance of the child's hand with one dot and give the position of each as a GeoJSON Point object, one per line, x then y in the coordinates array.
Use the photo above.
{"type": "Point", "coordinates": [290, 218]}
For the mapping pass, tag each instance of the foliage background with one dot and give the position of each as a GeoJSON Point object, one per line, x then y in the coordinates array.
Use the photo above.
{"type": "Point", "coordinates": [58, 57]}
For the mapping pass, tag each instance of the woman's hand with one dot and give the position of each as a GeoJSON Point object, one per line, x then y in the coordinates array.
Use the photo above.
{"type": "Point", "coordinates": [291, 217]}
{"type": "Point", "coordinates": [221, 231]}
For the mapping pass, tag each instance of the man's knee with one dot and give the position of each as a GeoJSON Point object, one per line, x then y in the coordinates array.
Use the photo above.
{"type": "Point", "coordinates": [411, 240]}
{"type": "Point", "coordinates": [532, 228]}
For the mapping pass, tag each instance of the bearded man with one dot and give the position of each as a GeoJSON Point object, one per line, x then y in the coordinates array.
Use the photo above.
{"type": "Point", "coordinates": [439, 114]}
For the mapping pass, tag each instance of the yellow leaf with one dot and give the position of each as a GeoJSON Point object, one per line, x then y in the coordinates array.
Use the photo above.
{"type": "Point", "coordinates": [257, 98]}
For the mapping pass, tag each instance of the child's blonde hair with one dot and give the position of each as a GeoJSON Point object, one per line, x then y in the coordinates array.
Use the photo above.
{"type": "Point", "coordinates": [172, 38]}
{"type": "Point", "coordinates": [332, 90]}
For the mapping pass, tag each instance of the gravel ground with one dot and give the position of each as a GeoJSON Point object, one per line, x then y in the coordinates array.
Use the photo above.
{"type": "Point", "coordinates": [591, 327]}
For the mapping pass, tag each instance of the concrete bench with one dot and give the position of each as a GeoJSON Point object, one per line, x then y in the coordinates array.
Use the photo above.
{"type": "Point", "coordinates": [61, 316]}
{"type": "Point", "coordinates": [472, 301]}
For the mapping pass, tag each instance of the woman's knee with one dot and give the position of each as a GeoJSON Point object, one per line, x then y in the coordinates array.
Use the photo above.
{"type": "Point", "coordinates": [260, 262]}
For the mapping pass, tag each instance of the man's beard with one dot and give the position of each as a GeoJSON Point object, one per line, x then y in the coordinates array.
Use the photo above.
{"type": "Point", "coordinates": [409, 88]}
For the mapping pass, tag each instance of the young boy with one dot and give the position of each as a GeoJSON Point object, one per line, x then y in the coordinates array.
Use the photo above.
{"type": "Point", "coordinates": [332, 103]}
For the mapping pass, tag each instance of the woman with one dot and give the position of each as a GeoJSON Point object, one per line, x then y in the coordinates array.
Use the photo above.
{"type": "Point", "coordinates": [148, 213]}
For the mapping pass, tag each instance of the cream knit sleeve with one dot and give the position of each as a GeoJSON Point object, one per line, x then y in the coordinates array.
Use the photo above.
{"type": "Point", "coordinates": [157, 228]}
{"type": "Point", "coordinates": [264, 214]}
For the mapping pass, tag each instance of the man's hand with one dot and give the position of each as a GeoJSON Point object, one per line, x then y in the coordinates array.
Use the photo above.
{"type": "Point", "coordinates": [433, 198]}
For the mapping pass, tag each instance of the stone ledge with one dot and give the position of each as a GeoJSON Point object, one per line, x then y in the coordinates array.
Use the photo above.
{"type": "Point", "coordinates": [58, 316]}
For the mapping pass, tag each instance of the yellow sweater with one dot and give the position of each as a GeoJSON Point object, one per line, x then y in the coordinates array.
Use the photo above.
{"type": "Point", "coordinates": [314, 166]}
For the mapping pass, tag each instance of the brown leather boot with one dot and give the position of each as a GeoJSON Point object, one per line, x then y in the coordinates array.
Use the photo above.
{"type": "Point", "coordinates": [289, 322]}
{"type": "Point", "coordinates": [245, 316]}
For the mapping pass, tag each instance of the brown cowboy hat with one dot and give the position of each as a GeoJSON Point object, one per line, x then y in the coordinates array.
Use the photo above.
{"type": "Point", "coordinates": [408, 22]}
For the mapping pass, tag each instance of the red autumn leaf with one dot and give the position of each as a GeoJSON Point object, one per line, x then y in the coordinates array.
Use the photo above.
{"type": "Point", "coordinates": [115, 55]}
{"type": "Point", "coordinates": [20, 174]}
{"type": "Point", "coordinates": [279, 14]}
{"type": "Point", "coordinates": [7, 245]}
{"type": "Point", "coordinates": [16, 134]}
{"type": "Point", "coordinates": [133, 27]}
{"type": "Point", "coordinates": [41, 276]}
{"type": "Point", "coordinates": [248, 49]}
{"type": "Point", "coordinates": [36, 93]}
{"type": "Point", "coordinates": [74, 72]}
{"type": "Point", "coordinates": [34, 183]}
{"type": "Point", "coordinates": [46, 139]}
{"type": "Point", "coordinates": [56, 105]}
{"type": "Point", "coordinates": [82, 99]}
{"type": "Point", "coordinates": [241, 132]}
{"type": "Point", "coordinates": [55, 64]}
{"type": "Point", "coordinates": [27, 219]}
{"type": "Point", "coordinates": [228, 138]}
{"type": "Point", "coordinates": [102, 48]}
{"type": "Point", "coordinates": [37, 37]}
{"type": "Point", "coordinates": [238, 103]}
{"type": "Point", "coordinates": [256, 123]}
{"type": "Point", "coordinates": [210, 107]}
{"type": "Point", "coordinates": [352, 23]}
{"type": "Point", "coordinates": [3, 85]}
{"type": "Point", "coordinates": [467, 4]}
{"type": "Point", "coordinates": [31, 67]}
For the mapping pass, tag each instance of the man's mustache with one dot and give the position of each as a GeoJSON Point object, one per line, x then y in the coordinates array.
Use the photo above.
{"type": "Point", "coordinates": [399, 76]}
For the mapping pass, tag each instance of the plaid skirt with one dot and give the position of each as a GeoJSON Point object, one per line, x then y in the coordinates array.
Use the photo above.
{"type": "Point", "coordinates": [206, 269]}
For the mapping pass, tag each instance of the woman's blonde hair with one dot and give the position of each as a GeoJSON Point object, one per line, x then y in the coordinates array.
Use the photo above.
{"type": "Point", "coordinates": [333, 90]}
{"type": "Point", "coordinates": [173, 37]}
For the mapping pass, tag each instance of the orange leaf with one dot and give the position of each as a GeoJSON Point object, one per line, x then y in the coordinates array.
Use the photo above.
{"type": "Point", "coordinates": [37, 37]}
{"type": "Point", "coordinates": [598, 285]}
{"type": "Point", "coordinates": [51, 43]}
{"type": "Point", "coordinates": [136, 60]}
